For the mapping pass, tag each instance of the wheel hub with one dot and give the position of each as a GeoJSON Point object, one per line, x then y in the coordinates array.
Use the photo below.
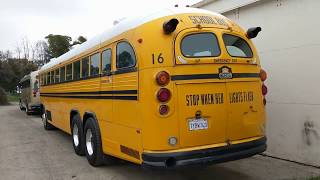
{"type": "Point", "coordinates": [89, 144]}
{"type": "Point", "coordinates": [75, 134]}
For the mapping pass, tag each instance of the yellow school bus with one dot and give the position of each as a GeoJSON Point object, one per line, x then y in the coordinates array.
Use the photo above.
{"type": "Point", "coordinates": [172, 88]}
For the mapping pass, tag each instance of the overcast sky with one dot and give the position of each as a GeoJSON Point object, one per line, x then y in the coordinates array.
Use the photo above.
{"type": "Point", "coordinates": [35, 19]}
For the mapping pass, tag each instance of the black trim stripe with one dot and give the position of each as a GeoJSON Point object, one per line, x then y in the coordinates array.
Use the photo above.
{"type": "Point", "coordinates": [119, 71]}
{"type": "Point", "coordinates": [95, 92]}
{"type": "Point", "coordinates": [212, 76]}
{"type": "Point", "coordinates": [95, 97]}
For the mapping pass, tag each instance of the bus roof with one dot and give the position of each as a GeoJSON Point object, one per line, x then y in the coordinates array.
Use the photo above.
{"type": "Point", "coordinates": [123, 26]}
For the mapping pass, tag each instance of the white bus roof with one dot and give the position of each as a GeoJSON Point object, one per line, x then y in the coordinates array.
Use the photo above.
{"type": "Point", "coordinates": [122, 26]}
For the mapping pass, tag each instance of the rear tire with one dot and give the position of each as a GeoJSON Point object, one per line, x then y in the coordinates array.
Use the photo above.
{"type": "Point", "coordinates": [93, 144]}
{"type": "Point", "coordinates": [20, 106]}
{"type": "Point", "coordinates": [77, 135]}
{"type": "Point", "coordinates": [46, 125]}
{"type": "Point", "coordinates": [27, 110]}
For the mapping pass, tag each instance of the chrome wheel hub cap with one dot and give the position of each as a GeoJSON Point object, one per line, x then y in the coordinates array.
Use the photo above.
{"type": "Point", "coordinates": [75, 134]}
{"type": "Point", "coordinates": [44, 118]}
{"type": "Point", "coordinates": [89, 144]}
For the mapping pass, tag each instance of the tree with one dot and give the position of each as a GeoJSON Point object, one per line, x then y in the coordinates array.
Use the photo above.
{"type": "Point", "coordinates": [25, 43]}
{"type": "Point", "coordinates": [12, 70]}
{"type": "Point", "coordinates": [58, 45]}
{"type": "Point", "coordinates": [3, 97]}
{"type": "Point", "coordinates": [18, 51]}
{"type": "Point", "coordinates": [40, 53]}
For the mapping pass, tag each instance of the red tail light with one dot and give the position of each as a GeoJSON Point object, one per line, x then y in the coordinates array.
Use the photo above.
{"type": "Point", "coordinates": [264, 90]}
{"type": "Point", "coordinates": [163, 78]}
{"type": "Point", "coordinates": [164, 95]}
{"type": "Point", "coordinates": [263, 75]}
{"type": "Point", "coordinates": [163, 109]}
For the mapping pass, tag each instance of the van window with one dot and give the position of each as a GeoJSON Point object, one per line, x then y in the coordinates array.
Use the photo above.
{"type": "Point", "coordinates": [106, 61]}
{"type": "Point", "coordinates": [62, 74]}
{"type": "Point", "coordinates": [76, 70]}
{"type": "Point", "coordinates": [57, 76]}
{"type": "Point", "coordinates": [236, 46]}
{"type": "Point", "coordinates": [125, 55]}
{"type": "Point", "coordinates": [94, 64]}
{"type": "Point", "coordinates": [69, 72]}
{"type": "Point", "coordinates": [200, 45]}
{"type": "Point", "coordinates": [85, 67]}
{"type": "Point", "coordinates": [25, 84]}
{"type": "Point", "coordinates": [36, 86]}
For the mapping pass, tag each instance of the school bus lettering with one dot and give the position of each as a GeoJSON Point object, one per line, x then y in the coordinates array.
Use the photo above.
{"type": "Point", "coordinates": [225, 60]}
{"type": "Point", "coordinates": [204, 99]}
{"type": "Point", "coordinates": [207, 20]}
{"type": "Point", "coordinates": [221, 21]}
{"type": "Point", "coordinates": [241, 97]}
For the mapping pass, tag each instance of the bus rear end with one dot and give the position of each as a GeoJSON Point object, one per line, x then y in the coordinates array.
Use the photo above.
{"type": "Point", "coordinates": [212, 100]}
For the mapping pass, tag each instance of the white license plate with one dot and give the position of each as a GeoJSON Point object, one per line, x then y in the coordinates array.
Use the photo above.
{"type": "Point", "coordinates": [198, 124]}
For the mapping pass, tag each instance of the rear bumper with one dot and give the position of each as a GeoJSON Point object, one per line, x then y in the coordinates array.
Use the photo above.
{"type": "Point", "coordinates": [205, 156]}
{"type": "Point", "coordinates": [35, 108]}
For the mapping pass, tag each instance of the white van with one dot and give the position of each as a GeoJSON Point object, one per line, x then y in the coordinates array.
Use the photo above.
{"type": "Point", "coordinates": [30, 95]}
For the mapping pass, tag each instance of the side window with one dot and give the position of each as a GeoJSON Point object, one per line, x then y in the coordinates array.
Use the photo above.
{"type": "Point", "coordinates": [85, 67]}
{"type": "Point", "coordinates": [62, 74]}
{"type": "Point", "coordinates": [46, 78]}
{"type": "Point", "coordinates": [52, 77]}
{"type": "Point", "coordinates": [94, 64]}
{"type": "Point", "coordinates": [41, 79]}
{"type": "Point", "coordinates": [49, 78]}
{"type": "Point", "coordinates": [76, 70]}
{"type": "Point", "coordinates": [69, 72]}
{"type": "Point", "coordinates": [236, 46]}
{"type": "Point", "coordinates": [106, 61]}
{"type": "Point", "coordinates": [125, 55]}
{"type": "Point", "coordinates": [57, 76]}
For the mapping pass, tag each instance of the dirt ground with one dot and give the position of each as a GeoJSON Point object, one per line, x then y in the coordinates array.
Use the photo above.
{"type": "Point", "coordinates": [27, 151]}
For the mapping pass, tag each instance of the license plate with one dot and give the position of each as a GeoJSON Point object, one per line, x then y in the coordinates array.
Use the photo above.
{"type": "Point", "coordinates": [198, 124]}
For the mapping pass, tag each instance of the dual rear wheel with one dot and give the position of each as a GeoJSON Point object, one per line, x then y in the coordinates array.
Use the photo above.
{"type": "Point", "coordinates": [87, 141]}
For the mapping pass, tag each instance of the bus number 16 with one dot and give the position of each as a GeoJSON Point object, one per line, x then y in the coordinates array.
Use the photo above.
{"type": "Point", "coordinates": [158, 59]}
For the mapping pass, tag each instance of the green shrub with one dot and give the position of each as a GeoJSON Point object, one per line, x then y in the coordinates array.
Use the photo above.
{"type": "Point", "coordinates": [3, 97]}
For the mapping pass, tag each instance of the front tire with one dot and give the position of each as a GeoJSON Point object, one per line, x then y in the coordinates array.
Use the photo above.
{"type": "Point", "coordinates": [77, 135]}
{"type": "Point", "coordinates": [93, 144]}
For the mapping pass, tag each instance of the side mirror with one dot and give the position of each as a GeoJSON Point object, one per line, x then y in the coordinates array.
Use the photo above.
{"type": "Point", "coordinates": [253, 32]}
{"type": "Point", "coordinates": [170, 26]}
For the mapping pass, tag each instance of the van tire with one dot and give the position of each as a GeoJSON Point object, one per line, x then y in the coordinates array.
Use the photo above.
{"type": "Point", "coordinates": [77, 135]}
{"type": "Point", "coordinates": [20, 106]}
{"type": "Point", "coordinates": [27, 110]}
{"type": "Point", "coordinates": [93, 144]}
{"type": "Point", "coordinates": [46, 125]}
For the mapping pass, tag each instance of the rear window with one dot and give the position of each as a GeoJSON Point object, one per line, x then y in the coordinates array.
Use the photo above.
{"type": "Point", "coordinates": [200, 45]}
{"type": "Point", "coordinates": [236, 46]}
